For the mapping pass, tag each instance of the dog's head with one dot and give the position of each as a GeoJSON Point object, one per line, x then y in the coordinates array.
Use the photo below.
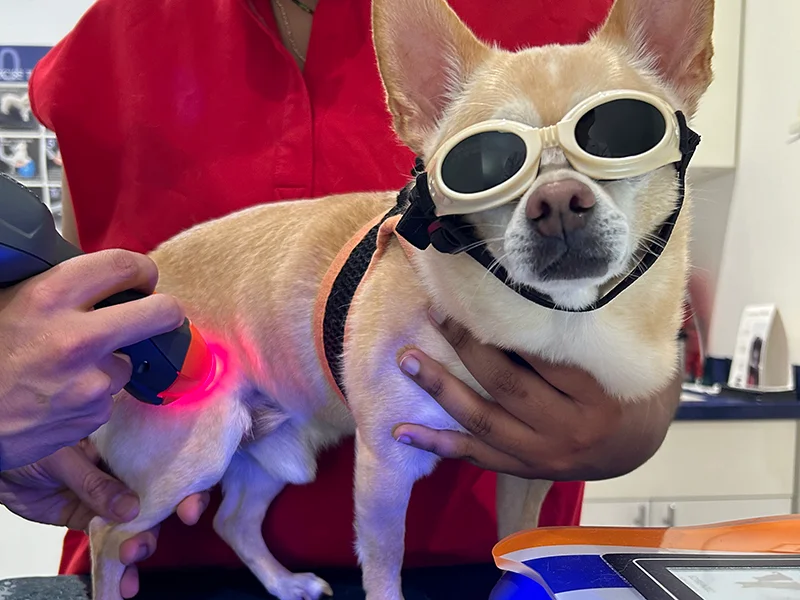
{"type": "Point", "coordinates": [567, 234]}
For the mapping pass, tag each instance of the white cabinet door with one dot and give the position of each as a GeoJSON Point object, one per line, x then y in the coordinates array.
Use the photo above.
{"type": "Point", "coordinates": [687, 466]}
{"type": "Point", "coordinates": [686, 513]}
{"type": "Point", "coordinates": [615, 514]}
{"type": "Point", "coordinates": [717, 119]}
{"type": "Point", "coordinates": [28, 549]}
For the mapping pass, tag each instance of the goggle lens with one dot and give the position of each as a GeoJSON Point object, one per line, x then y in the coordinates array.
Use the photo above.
{"type": "Point", "coordinates": [483, 161]}
{"type": "Point", "coordinates": [620, 129]}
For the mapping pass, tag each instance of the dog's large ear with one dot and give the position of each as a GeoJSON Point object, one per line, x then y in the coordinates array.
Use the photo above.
{"type": "Point", "coordinates": [676, 35]}
{"type": "Point", "coordinates": [426, 54]}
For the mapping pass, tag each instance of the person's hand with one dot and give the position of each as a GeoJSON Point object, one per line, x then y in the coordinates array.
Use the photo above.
{"type": "Point", "coordinates": [69, 489]}
{"type": "Point", "coordinates": [59, 368]}
{"type": "Point", "coordinates": [547, 422]}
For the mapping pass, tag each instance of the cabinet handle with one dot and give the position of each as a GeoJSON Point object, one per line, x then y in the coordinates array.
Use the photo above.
{"type": "Point", "coordinates": [641, 520]}
{"type": "Point", "coordinates": [670, 520]}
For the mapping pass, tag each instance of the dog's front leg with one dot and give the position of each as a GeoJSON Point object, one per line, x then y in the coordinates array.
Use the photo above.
{"type": "Point", "coordinates": [519, 503]}
{"type": "Point", "coordinates": [385, 474]}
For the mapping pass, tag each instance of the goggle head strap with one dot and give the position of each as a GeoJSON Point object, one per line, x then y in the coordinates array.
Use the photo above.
{"type": "Point", "coordinates": [452, 235]}
{"type": "Point", "coordinates": [421, 227]}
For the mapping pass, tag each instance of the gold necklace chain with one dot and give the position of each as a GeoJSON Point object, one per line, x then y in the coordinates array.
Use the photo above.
{"type": "Point", "coordinates": [292, 43]}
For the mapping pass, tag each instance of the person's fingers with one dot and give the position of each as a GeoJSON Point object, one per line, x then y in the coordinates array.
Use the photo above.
{"type": "Point", "coordinates": [85, 280]}
{"type": "Point", "coordinates": [483, 419]}
{"type": "Point", "coordinates": [140, 547]}
{"type": "Point", "coordinates": [466, 346]}
{"type": "Point", "coordinates": [76, 515]}
{"type": "Point", "coordinates": [457, 445]}
{"type": "Point", "coordinates": [566, 379]}
{"type": "Point", "coordinates": [129, 584]}
{"type": "Point", "coordinates": [518, 389]}
{"type": "Point", "coordinates": [121, 325]}
{"type": "Point", "coordinates": [90, 404]}
{"type": "Point", "coordinates": [102, 493]}
{"type": "Point", "coordinates": [192, 508]}
{"type": "Point", "coordinates": [87, 447]}
{"type": "Point", "coordinates": [118, 368]}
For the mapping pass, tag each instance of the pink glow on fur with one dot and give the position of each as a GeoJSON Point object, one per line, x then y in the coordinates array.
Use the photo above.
{"type": "Point", "coordinates": [220, 366]}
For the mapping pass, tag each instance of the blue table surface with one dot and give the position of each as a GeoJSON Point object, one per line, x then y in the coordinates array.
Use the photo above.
{"type": "Point", "coordinates": [731, 408]}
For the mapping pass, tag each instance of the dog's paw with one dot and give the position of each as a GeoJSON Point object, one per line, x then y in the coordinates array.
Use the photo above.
{"type": "Point", "coordinates": [301, 586]}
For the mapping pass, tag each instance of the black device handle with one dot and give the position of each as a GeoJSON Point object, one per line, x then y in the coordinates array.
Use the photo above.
{"type": "Point", "coordinates": [30, 245]}
{"type": "Point", "coordinates": [29, 241]}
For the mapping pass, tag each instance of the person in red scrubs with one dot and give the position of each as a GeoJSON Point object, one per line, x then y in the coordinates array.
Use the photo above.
{"type": "Point", "coordinates": [172, 113]}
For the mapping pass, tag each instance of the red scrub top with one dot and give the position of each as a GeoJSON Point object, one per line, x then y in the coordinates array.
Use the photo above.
{"type": "Point", "coordinates": [169, 113]}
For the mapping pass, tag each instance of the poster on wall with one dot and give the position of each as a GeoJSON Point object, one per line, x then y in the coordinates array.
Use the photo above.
{"type": "Point", "coordinates": [28, 152]}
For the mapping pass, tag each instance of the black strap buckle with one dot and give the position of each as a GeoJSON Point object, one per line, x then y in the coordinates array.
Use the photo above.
{"type": "Point", "coordinates": [451, 236]}
{"type": "Point", "coordinates": [421, 227]}
{"type": "Point", "coordinates": [420, 212]}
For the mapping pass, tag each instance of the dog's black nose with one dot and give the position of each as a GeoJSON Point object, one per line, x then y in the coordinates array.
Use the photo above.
{"type": "Point", "coordinates": [561, 207]}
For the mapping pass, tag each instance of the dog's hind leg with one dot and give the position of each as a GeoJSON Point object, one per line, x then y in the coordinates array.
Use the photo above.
{"type": "Point", "coordinates": [254, 478]}
{"type": "Point", "coordinates": [105, 541]}
{"type": "Point", "coordinates": [157, 503]}
{"type": "Point", "coordinates": [164, 454]}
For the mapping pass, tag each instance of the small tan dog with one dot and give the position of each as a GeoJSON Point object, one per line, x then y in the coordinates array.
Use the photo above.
{"type": "Point", "coordinates": [250, 282]}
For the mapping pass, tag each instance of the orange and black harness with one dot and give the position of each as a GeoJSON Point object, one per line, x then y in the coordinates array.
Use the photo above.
{"type": "Point", "coordinates": [340, 286]}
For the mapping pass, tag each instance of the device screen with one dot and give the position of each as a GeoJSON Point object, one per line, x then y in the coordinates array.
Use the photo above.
{"type": "Point", "coordinates": [736, 583]}
{"type": "Point", "coordinates": [710, 577]}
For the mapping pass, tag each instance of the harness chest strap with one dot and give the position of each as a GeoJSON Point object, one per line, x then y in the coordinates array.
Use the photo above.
{"type": "Point", "coordinates": [348, 271]}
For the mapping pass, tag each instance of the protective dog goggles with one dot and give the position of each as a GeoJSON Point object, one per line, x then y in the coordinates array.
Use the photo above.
{"type": "Point", "coordinates": [609, 136]}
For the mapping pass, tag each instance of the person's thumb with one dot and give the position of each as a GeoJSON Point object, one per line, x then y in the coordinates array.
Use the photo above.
{"type": "Point", "coordinates": [99, 491]}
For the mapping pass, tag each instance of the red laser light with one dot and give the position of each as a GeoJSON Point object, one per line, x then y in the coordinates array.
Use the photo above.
{"type": "Point", "coordinates": [203, 369]}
